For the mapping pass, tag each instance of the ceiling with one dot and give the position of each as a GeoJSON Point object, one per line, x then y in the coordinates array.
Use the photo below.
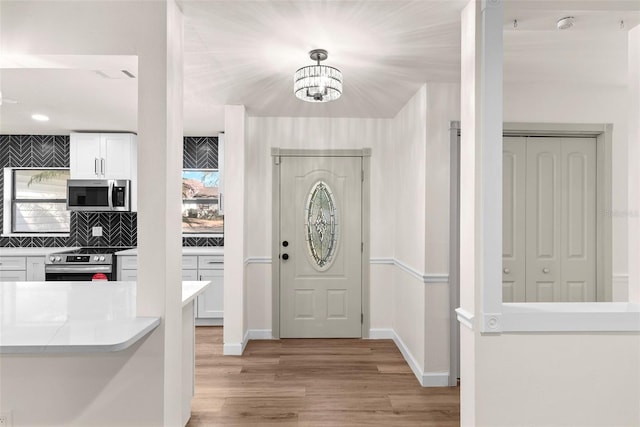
{"type": "Point", "coordinates": [245, 52]}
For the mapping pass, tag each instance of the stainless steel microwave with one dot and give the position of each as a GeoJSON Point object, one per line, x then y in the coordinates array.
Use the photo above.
{"type": "Point", "coordinates": [99, 195]}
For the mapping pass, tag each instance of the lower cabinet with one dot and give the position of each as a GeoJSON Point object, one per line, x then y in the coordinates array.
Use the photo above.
{"type": "Point", "coordinates": [20, 269]}
{"type": "Point", "coordinates": [209, 304]}
{"type": "Point", "coordinates": [211, 301]}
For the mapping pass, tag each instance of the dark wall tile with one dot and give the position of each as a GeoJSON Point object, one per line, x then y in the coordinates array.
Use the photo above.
{"type": "Point", "coordinates": [119, 229]}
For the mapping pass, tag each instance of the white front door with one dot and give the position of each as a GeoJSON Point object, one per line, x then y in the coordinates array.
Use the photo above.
{"type": "Point", "coordinates": [320, 247]}
{"type": "Point", "coordinates": [549, 219]}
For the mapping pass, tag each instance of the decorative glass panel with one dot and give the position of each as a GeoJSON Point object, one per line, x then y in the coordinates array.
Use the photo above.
{"type": "Point", "coordinates": [321, 222]}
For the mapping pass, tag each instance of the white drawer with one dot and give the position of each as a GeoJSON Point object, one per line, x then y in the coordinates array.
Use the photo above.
{"type": "Point", "coordinates": [189, 274]}
{"type": "Point", "coordinates": [189, 262]}
{"type": "Point", "coordinates": [128, 262]}
{"type": "Point", "coordinates": [210, 262]}
{"type": "Point", "coordinates": [13, 263]}
{"type": "Point", "coordinates": [13, 276]}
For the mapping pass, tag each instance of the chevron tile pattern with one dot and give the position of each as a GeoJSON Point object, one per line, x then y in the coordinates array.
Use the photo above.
{"type": "Point", "coordinates": [118, 229]}
{"type": "Point", "coordinates": [200, 152]}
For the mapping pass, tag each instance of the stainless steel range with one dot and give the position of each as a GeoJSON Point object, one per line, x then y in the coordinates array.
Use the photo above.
{"type": "Point", "coordinates": [84, 264]}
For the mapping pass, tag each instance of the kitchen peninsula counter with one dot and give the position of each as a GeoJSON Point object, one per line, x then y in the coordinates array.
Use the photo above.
{"type": "Point", "coordinates": [69, 346]}
{"type": "Point", "coordinates": [68, 317]}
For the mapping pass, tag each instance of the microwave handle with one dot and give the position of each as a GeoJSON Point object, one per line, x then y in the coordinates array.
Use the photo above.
{"type": "Point", "coordinates": [112, 188]}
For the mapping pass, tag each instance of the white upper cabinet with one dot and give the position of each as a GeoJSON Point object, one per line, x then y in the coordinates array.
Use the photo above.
{"type": "Point", "coordinates": [103, 156]}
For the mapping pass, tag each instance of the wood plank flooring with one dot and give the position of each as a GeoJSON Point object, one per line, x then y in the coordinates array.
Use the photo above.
{"type": "Point", "coordinates": [313, 382]}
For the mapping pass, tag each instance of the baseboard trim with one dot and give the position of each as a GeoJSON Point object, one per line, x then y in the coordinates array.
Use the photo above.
{"type": "Point", "coordinates": [259, 334]}
{"type": "Point", "coordinates": [209, 321]}
{"type": "Point", "coordinates": [426, 379]}
{"type": "Point", "coordinates": [235, 349]}
{"type": "Point", "coordinates": [381, 334]}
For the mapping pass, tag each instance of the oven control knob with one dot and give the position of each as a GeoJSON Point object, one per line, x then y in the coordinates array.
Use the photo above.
{"type": "Point", "coordinates": [102, 258]}
{"type": "Point", "coordinates": [58, 259]}
{"type": "Point", "coordinates": [95, 258]}
{"type": "Point", "coordinates": [52, 259]}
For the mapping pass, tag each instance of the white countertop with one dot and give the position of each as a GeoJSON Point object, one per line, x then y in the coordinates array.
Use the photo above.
{"type": "Point", "coordinates": [64, 317]}
{"type": "Point", "coordinates": [32, 251]}
{"type": "Point", "coordinates": [186, 250]}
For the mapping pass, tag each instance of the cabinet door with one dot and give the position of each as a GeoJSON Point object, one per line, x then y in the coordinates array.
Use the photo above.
{"type": "Point", "coordinates": [85, 155]}
{"type": "Point", "coordinates": [211, 301]}
{"type": "Point", "coordinates": [116, 155]}
{"type": "Point", "coordinates": [35, 269]}
{"type": "Point", "coordinates": [128, 275]}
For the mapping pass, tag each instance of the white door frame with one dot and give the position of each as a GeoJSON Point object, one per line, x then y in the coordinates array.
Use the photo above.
{"type": "Point", "coordinates": [604, 252]}
{"type": "Point", "coordinates": [277, 153]}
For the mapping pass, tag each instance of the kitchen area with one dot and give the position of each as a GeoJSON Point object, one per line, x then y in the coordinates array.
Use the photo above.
{"type": "Point", "coordinates": [70, 211]}
{"type": "Point", "coordinates": [69, 261]}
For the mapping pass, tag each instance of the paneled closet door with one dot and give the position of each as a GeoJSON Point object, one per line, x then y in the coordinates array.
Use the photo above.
{"type": "Point", "coordinates": [549, 219]}
{"type": "Point", "coordinates": [544, 219]}
{"type": "Point", "coordinates": [513, 219]}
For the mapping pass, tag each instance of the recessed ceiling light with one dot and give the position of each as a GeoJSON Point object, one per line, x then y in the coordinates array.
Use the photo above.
{"type": "Point", "coordinates": [565, 23]}
{"type": "Point", "coordinates": [40, 117]}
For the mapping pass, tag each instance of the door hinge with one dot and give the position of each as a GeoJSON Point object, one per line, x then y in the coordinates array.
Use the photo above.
{"type": "Point", "coordinates": [361, 247]}
{"type": "Point", "coordinates": [276, 160]}
{"type": "Point", "coordinates": [361, 318]}
{"type": "Point", "coordinates": [362, 175]}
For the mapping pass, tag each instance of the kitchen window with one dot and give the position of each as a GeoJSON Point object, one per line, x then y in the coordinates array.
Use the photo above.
{"type": "Point", "coordinates": [35, 201]}
{"type": "Point", "coordinates": [201, 203]}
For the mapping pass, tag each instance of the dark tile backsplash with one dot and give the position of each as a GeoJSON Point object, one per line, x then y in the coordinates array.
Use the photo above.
{"type": "Point", "coordinates": [118, 229]}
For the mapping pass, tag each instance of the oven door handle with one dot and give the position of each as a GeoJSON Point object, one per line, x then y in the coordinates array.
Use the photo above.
{"type": "Point", "coordinates": [77, 269]}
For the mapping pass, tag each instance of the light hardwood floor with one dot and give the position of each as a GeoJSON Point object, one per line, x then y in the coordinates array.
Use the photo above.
{"type": "Point", "coordinates": [313, 382]}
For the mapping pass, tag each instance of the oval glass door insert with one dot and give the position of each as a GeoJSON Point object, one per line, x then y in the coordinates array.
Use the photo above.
{"type": "Point", "coordinates": [321, 222]}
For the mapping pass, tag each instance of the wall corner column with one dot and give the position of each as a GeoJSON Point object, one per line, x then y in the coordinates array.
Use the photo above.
{"type": "Point", "coordinates": [234, 230]}
{"type": "Point", "coordinates": [160, 132]}
{"type": "Point", "coordinates": [633, 91]}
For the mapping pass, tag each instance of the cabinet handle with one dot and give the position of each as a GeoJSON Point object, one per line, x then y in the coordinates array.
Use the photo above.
{"type": "Point", "coordinates": [201, 277]}
{"type": "Point", "coordinates": [96, 166]}
{"type": "Point", "coordinates": [506, 271]}
{"type": "Point", "coordinates": [545, 270]}
{"type": "Point", "coordinates": [102, 168]}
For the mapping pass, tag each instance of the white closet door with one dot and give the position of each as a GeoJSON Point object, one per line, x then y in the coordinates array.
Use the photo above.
{"type": "Point", "coordinates": [578, 240]}
{"type": "Point", "coordinates": [513, 219]}
{"type": "Point", "coordinates": [561, 219]}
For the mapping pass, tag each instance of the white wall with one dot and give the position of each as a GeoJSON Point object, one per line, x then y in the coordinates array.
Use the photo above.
{"type": "Point", "coordinates": [560, 380]}
{"type": "Point", "coordinates": [443, 106]}
{"type": "Point", "coordinates": [263, 133]}
{"type": "Point", "coordinates": [409, 202]}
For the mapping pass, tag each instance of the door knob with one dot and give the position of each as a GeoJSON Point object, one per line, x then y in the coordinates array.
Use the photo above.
{"type": "Point", "coordinates": [506, 271]}
{"type": "Point", "coordinates": [545, 270]}
{"type": "Point", "coordinates": [285, 243]}
{"type": "Point", "coordinates": [285, 256]}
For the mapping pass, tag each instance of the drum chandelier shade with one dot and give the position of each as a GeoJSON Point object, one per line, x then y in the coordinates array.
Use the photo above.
{"type": "Point", "coordinates": [317, 83]}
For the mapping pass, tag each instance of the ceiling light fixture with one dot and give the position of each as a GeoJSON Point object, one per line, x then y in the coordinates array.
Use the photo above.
{"type": "Point", "coordinates": [40, 117]}
{"type": "Point", "coordinates": [318, 83]}
{"type": "Point", "coordinates": [565, 23]}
